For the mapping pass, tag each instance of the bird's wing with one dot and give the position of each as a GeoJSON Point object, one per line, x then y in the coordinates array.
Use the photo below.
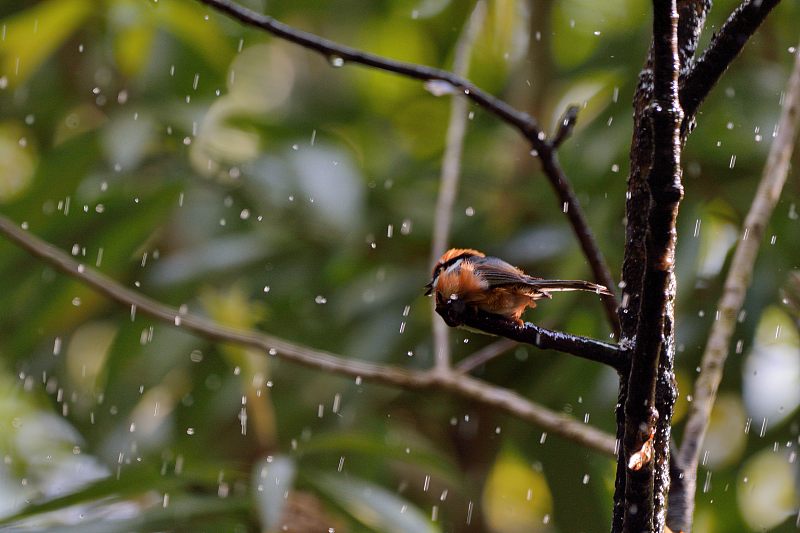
{"type": "Point", "coordinates": [496, 272]}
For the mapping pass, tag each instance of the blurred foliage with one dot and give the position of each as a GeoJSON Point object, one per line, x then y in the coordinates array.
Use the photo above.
{"type": "Point", "coordinates": [211, 166]}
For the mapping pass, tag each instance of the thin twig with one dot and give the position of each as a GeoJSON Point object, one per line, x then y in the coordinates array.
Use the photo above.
{"type": "Point", "coordinates": [565, 125]}
{"type": "Point", "coordinates": [339, 54]}
{"type": "Point", "coordinates": [484, 355]}
{"type": "Point", "coordinates": [658, 289]}
{"type": "Point", "coordinates": [457, 384]}
{"type": "Point", "coordinates": [735, 289]}
{"type": "Point", "coordinates": [569, 202]}
{"type": "Point", "coordinates": [451, 171]}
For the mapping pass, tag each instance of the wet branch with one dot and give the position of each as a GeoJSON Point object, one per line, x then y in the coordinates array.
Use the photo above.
{"type": "Point", "coordinates": [455, 314]}
{"type": "Point", "coordinates": [523, 122]}
{"type": "Point", "coordinates": [732, 299]}
{"type": "Point", "coordinates": [658, 288]}
{"type": "Point", "coordinates": [725, 46]}
{"type": "Point", "coordinates": [453, 383]}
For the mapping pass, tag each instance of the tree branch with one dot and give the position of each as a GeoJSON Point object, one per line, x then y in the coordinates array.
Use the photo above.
{"type": "Point", "coordinates": [484, 355]}
{"type": "Point", "coordinates": [725, 46]}
{"type": "Point", "coordinates": [658, 289]}
{"type": "Point", "coordinates": [451, 170]}
{"type": "Point", "coordinates": [454, 383]}
{"type": "Point", "coordinates": [455, 314]}
{"type": "Point", "coordinates": [568, 198]}
{"type": "Point", "coordinates": [733, 295]}
{"type": "Point", "coordinates": [522, 121]}
{"type": "Point", "coordinates": [342, 54]}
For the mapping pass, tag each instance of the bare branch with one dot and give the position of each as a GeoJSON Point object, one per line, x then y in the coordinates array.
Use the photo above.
{"type": "Point", "coordinates": [523, 122]}
{"type": "Point", "coordinates": [735, 289]}
{"type": "Point", "coordinates": [451, 170]}
{"type": "Point", "coordinates": [658, 290]}
{"type": "Point", "coordinates": [571, 206]}
{"type": "Point", "coordinates": [454, 383]}
{"type": "Point", "coordinates": [484, 355]}
{"type": "Point", "coordinates": [725, 46]}
{"type": "Point", "coordinates": [565, 125]}
{"type": "Point", "coordinates": [341, 54]}
{"type": "Point", "coordinates": [456, 314]}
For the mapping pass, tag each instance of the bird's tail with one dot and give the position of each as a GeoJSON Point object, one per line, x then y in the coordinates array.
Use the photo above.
{"type": "Point", "coordinates": [556, 285]}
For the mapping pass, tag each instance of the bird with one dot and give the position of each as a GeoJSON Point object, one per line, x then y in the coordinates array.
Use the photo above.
{"type": "Point", "coordinates": [471, 279]}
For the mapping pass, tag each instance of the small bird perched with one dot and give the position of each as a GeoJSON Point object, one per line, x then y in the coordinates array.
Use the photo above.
{"type": "Point", "coordinates": [493, 286]}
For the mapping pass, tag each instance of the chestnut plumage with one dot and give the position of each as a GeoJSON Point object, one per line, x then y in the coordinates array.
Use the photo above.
{"type": "Point", "coordinates": [494, 286]}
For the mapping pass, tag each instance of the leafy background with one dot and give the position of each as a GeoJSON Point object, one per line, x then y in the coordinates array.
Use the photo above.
{"type": "Point", "coordinates": [208, 165]}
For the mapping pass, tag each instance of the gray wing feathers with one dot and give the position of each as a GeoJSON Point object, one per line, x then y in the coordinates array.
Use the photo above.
{"type": "Point", "coordinates": [497, 273]}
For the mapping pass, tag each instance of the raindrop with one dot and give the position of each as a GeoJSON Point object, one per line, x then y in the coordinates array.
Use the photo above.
{"type": "Point", "coordinates": [321, 300]}
{"type": "Point", "coordinates": [76, 301]}
{"type": "Point", "coordinates": [190, 431]}
{"type": "Point", "coordinates": [336, 61]}
{"type": "Point", "coordinates": [469, 211]}
{"type": "Point", "coordinates": [707, 484]}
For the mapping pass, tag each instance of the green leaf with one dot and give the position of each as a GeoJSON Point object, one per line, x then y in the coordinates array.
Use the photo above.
{"type": "Point", "coordinates": [129, 483]}
{"type": "Point", "coordinates": [179, 515]}
{"type": "Point", "coordinates": [31, 36]}
{"type": "Point", "coordinates": [383, 448]}
{"type": "Point", "coordinates": [272, 480]}
{"type": "Point", "coordinates": [372, 505]}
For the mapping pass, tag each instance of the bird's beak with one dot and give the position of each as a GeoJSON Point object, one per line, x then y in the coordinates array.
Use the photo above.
{"type": "Point", "coordinates": [429, 288]}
